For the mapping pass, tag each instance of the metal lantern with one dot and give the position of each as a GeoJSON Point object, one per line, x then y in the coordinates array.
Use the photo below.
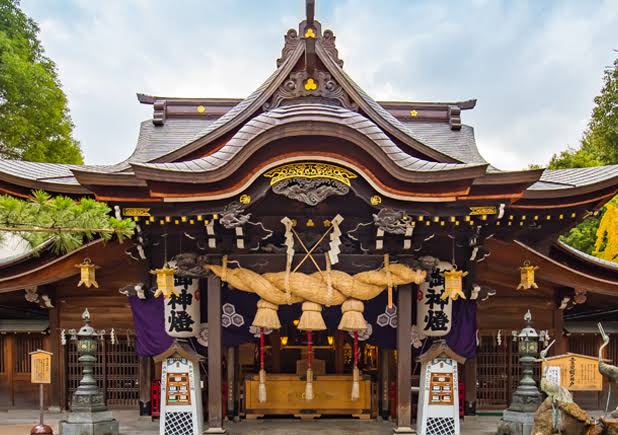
{"type": "Point", "coordinates": [165, 281]}
{"type": "Point", "coordinates": [453, 284]}
{"type": "Point", "coordinates": [528, 338]}
{"type": "Point", "coordinates": [87, 274]}
{"type": "Point", "coordinates": [527, 397]}
{"type": "Point", "coordinates": [526, 280]}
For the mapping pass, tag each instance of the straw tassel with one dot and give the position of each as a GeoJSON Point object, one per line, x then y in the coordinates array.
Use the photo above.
{"type": "Point", "coordinates": [309, 383]}
{"type": "Point", "coordinates": [311, 319]}
{"type": "Point", "coordinates": [266, 315]}
{"type": "Point", "coordinates": [262, 384]}
{"type": "Point", "coordinates": [352, 318]}
{"type": "Point", "coordinates": [355, 371]}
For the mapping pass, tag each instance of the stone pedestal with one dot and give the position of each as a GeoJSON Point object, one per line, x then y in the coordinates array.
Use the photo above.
{"type": "Point", "coordinates": [89, 423]}
{"type": "Point", "coordinates": [515, 423]}
{"type": "Point", "coordinates": [89, 415]}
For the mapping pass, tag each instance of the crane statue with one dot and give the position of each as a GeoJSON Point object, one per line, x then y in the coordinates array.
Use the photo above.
{"type": "Point", "coordinates": [604, 368]}
{"type": "Point", "coordinates": [555, 392]}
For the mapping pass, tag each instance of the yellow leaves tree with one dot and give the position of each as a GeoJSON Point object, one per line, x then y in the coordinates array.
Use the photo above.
{"type": "Point", "coordinates": [606, 245]}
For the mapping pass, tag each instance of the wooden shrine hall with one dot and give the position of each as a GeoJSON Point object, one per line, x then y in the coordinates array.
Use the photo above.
{"type": "Point", "coordinates": [310, 243]}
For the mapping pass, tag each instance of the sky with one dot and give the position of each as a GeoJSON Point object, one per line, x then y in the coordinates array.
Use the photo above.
{"type": "Point", "coordinates": [534, 66]}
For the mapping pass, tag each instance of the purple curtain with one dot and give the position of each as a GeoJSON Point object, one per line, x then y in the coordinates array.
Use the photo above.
{"type": "Point", "coordinates": [148, 318]}
{"type": "Point", "coordinates": [462, 336]}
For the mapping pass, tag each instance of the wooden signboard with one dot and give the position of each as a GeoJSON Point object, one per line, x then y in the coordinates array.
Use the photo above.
{"type": "Point", "coordinates": [40, 372]}
{"type": "Point", "coordinates": [577, 372]}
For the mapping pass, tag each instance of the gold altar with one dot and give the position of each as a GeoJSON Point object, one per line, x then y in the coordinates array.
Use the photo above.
{"type": "Point", "coordinates": [286, 396]}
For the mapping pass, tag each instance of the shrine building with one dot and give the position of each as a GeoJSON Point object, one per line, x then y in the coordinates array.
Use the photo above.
{"type": "Point", "coordinates": [312, 235]}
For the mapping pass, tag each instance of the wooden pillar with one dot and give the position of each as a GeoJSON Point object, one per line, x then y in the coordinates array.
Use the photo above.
{"type": "Point", "coordinates": [404, 359]}
{"type": "Point", "coordinates": [562, 343]}
{"type": "Point", "coordinates": [470, 385]}
{"type": "Point", "coordinates": [144, 374]}
{"type": "Point", "coordinates": [230, 381]}
{"type": "Point", "coordinates": [56, 388]}
{"type": "Point", "coordinates": [384, 370]}
{"type": "Point", "coordinates": [215, 373]}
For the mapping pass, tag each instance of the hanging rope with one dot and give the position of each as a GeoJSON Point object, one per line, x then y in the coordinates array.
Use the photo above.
{"type": "Point", "coordinates": [389, 280]}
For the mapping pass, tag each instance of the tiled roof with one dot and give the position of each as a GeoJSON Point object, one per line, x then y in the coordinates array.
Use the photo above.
{"type": "Point", "coordinates": [308, 112]}
{"type": "Point", "coordinates": [557, 179]}
{"type": "Point", "coordinates": [35, 171]}
{"type": "Point", "coordinates": [459, 144]}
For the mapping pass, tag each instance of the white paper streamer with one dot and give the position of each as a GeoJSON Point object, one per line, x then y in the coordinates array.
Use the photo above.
{"type": "Point", "coordinates": [335, 240]}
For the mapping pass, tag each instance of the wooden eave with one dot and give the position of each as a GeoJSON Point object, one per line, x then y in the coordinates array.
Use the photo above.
{"type": "Point", "coordinates": [507, 257]}
{"type": "Point", "coordinates": [86, 177]}
{"type": "Point", "coordinates": [438, 349]}
{"type": "Point", "coordinates": [49, 268]}
{"type": "Point", "coordinates": [528, 177]}
{"type": "Point", "coordinates": [595, 197]}
{"type": "Point", "coordinates": [41, 184]}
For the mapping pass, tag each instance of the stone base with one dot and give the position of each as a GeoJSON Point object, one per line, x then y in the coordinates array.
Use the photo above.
{"type": "Point", "coordinates": [85, 424]}
{"type": "Point", "coordinates": [215, 430]}
{"type": "Point", "coordinates": [515, 423]}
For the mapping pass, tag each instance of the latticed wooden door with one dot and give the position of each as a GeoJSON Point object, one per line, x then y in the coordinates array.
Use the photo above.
{"type": "Point", "coordinates": [493, 363]}
{"type": "Point", "coordinates": [115, 371]}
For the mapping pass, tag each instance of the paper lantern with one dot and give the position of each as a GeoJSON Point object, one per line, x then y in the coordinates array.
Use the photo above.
{"type": "Point", "coordinates": [87, 274]}
{"type": "Point", "coordinates": [434, 314]}
{"type": "Point", "coordinates": [165, 281]}
{"type": "Point", "coordinates": [526, 279]}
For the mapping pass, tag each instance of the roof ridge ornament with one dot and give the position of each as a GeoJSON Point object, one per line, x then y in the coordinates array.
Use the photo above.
{"type": "Point", "coordinates": [309, 31]}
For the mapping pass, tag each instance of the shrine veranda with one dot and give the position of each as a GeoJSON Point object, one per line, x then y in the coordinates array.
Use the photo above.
{"type": "Point", "coordinates": [308, 234]}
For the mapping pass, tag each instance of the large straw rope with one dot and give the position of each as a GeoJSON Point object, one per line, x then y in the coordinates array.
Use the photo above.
{"type": "Point", "coordinates": [313, 288]}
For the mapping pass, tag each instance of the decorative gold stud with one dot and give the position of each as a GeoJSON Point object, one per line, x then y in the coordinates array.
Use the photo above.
{"type": "Point", "coordinates": [310, 85]}
{"type": "Point", "coordinates": [201, 109]}
{"type": "Point", "coordinates": [245, 199]}
{"type": "Point", "coordinates": [413, 113]}
{"type": "Point", "coordinates": [376, 200]}
{"type": "Point", "coordinates": [309, 33]}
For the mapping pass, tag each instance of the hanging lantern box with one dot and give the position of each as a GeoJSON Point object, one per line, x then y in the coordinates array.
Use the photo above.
{"type": "Point", "coordinates": [526, 280]}
{"type": "Point", "coordinates": [87, 274]}
{"type": "Point", "coordinates": [165, 281]}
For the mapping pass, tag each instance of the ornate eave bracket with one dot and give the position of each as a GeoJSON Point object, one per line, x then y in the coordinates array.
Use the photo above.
{"type": "Point", "coordinates": [293, 37]}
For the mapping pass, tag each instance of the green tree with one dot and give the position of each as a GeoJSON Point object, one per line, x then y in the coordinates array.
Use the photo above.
{"type": "Point", "coordinates": [66, 222]}
{"type": "Point", "coordinates": [34, 118]}
{"type": "Point", "coordinates": [599, 146]}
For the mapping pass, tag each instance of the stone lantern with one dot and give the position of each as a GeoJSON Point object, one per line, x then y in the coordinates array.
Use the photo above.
{"type": "Point", "coordinates": [519, 417]}
{"type": "Point", "coordinates": [88, 415]}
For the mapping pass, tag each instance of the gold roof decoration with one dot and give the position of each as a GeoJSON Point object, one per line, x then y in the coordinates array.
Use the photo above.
{"type": "Point", "coordinates": [310, 170]}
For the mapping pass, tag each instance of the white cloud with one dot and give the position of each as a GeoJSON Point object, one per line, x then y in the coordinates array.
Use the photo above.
{"type": "Point", "coordinates": [534, 66]}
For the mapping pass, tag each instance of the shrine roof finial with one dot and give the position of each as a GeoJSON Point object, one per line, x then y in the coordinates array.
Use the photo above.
{"type": "Point", "coordinates": [310, 8]}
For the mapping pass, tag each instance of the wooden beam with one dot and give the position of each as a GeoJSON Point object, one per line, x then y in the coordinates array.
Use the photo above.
{"type": "Point", "coordinates": [562, 342]}
{"type": "Point", "coordinates": [231, 382]}
{"type": "Point", "coordinates": [215, 373]}
{"type": "Point", "coordinates": [404, 359]}
{"type": "Point", "coordinates": [56, 389]}
{"type": "Point", "coordinates": [275, 343]}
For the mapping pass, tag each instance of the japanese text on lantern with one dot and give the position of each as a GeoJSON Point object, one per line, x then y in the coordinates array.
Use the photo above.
{"type": "Point", "coordinates": [182, 316]}
{"type": "Point", "coordinates": [40, 367]}
{"type": "Point", "coordinates": [434, 313]}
